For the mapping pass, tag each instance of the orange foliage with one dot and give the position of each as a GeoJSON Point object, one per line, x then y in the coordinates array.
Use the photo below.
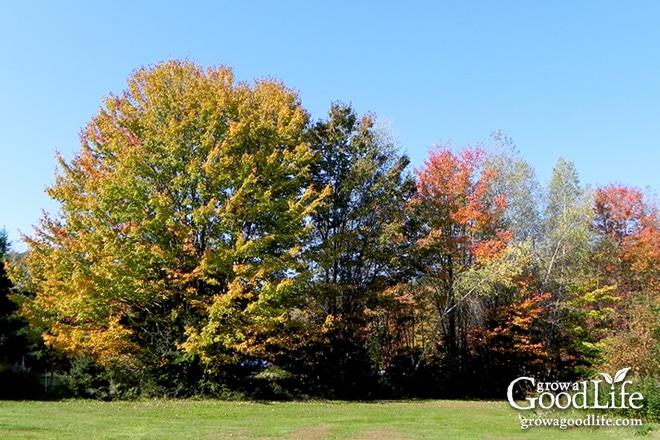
{"type": "Point", "coordinates": [623, 216]}
{"type": "Point", "coordinates": [620, 211]}
{"type": "Point", "coordinates": [509, 332]}
{"type": "Point", "coordinates": [461, 214]}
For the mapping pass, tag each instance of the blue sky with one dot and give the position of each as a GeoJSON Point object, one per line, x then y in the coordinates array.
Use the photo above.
{"type": "Point", "coordinates": [577, 79]}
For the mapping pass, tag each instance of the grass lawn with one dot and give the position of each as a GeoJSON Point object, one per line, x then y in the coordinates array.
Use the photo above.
{"type": "Point", "coordinates": [212, 419]}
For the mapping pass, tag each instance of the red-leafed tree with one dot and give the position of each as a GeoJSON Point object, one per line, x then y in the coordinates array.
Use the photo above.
{"type": "Point", "coordinates": [629, 258]}
{"type": "Point", "coordinates": [460, 245]}
{"type": "Point", "coordinates": [629, 245]}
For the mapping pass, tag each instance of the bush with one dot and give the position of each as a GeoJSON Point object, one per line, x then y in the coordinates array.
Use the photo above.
{"type": "Point", "coordinates": [88, 380]}
{"type": "Point", "coordinates": [650, 389]}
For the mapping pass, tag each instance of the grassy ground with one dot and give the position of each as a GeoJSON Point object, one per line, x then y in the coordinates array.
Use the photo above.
{"type": "Point", "coordinates": [210, 419]}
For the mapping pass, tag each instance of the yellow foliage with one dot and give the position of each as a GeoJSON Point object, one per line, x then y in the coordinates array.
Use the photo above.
{"type": "Point", "coordinates": [189, 198]}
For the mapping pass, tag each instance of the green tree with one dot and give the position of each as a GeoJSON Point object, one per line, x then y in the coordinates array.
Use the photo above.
{"type": "Point", "coordinates": [19, 353]}
{"type": "Point", "coordinates": [182, 222]}
{"type": "Point", "coordinates": [566, 227]}
{"type": "Point", "coordinates": [358, 246]}
{"type": "Point", "coordinates": [12, 345]}
{"type": "Point", "coordinates": [577, 307]}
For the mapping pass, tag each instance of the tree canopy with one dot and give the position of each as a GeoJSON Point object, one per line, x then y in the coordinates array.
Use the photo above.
{"type": "Point", "coordinates": [182, 220]}
{"type": "Point", "coordinates": [213, 239]}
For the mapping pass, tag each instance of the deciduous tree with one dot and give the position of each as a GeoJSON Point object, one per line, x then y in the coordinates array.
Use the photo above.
{"type": "Point", "coordinates": [462, 231]}
{"type": "Point", "coordinates": [357, 250]}
{"type": "Point", "coordinates": [628, 246]}
{"type": "Point", "coordinates": [182, 221]}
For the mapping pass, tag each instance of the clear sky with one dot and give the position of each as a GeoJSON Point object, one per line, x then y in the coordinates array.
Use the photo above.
{"type": "Point", "coordinates": [578, 79]}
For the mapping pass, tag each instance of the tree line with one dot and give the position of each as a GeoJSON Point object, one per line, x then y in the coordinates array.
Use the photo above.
{"type": "Point", "coordinates": [213, 240]}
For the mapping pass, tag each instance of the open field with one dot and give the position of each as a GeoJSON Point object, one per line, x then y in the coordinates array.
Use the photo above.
{"type": "Point", "coordinates": [211, 419]}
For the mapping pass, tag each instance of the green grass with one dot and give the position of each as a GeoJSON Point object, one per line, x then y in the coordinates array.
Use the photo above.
{"type": "Point", "coordinates": [211, 419]}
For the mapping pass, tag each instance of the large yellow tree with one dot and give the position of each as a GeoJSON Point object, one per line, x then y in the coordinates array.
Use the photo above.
{"type": "Point", "coordinates": [182, 220]}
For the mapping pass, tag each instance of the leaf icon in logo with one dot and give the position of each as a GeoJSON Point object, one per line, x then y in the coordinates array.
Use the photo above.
{"type": "Point", "coordinates": [620, 375]}
{"type": "Point", "coordinates": [608, 378]}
